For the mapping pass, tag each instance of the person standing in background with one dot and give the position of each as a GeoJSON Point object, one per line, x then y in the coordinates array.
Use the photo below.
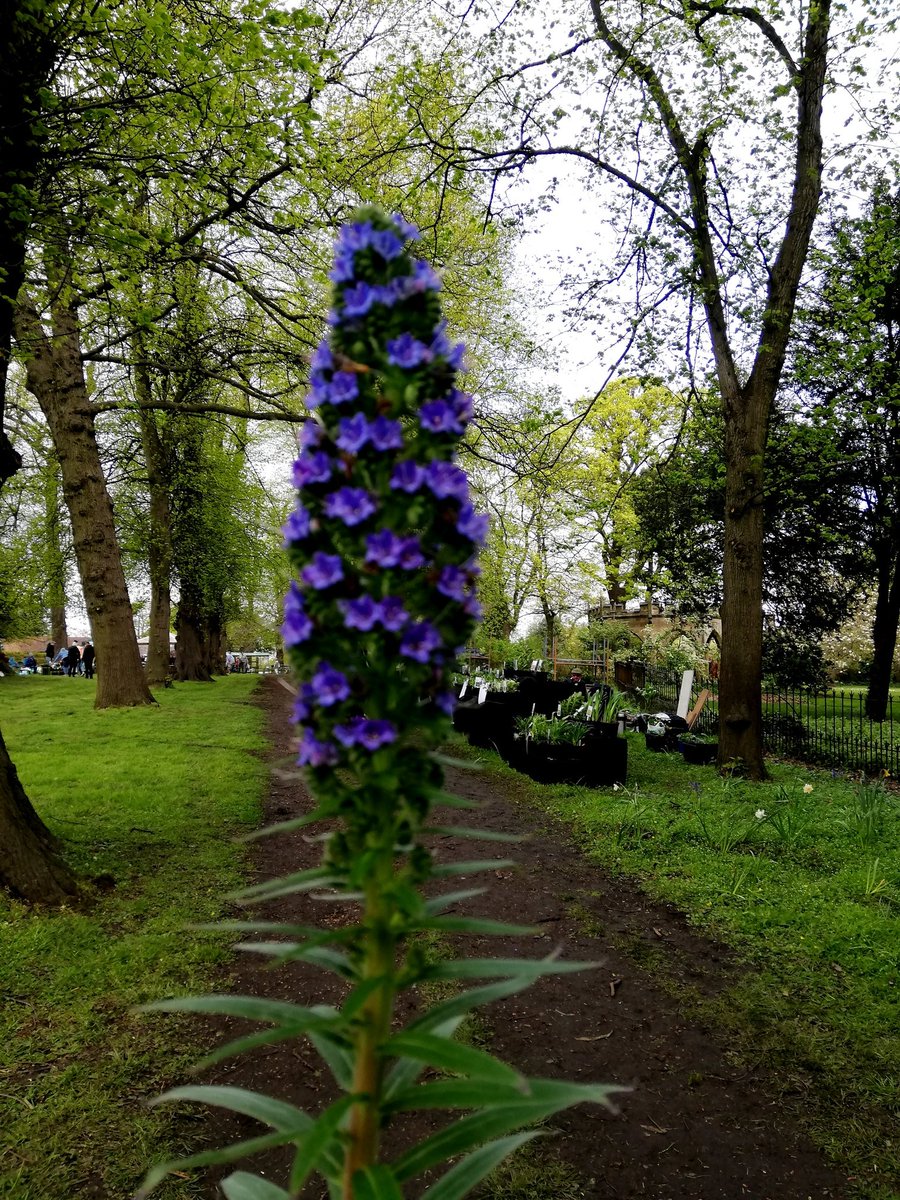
{"type": "Point", "coordinates": [73, 660]}
{"type": "Point", "coordinates": [87, 659]}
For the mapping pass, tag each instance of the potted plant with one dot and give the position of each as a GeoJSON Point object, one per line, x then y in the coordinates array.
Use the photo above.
{"type": "Point", "coordinates": [699, 749]}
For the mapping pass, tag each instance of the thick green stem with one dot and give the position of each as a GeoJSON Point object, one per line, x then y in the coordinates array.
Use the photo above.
{"type": "Point", "coordinates": [375, 1025]}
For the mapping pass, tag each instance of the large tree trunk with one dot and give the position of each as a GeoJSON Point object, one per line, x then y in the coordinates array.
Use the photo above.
{"type": "Point", "coordinates": [55, 560]}
{"type": "Point", "coordinates": [30, 867]}
{"type": "Point", "coordinates": [192, 645]}
{"type": "Point", "coordinates": [159, 548]}
{"type": "Point", "coordinates": [884, 637]}
{"type": "Point", "coordinates": [55, 375]}
{"type": "Point", "coordinates": [740, 698]}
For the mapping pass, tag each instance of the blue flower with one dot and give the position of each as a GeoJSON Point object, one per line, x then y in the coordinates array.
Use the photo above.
{"type": "Point", "coordinates": [360, 614]}
{"type": "Point", "coordinates": [407, 476]}
{"type": "Point", "coordinates": [322, 359]}
{"type": "Point", "coordinates": [296, 527]}
{"type": "Point", "coordinates": [319, 391]}
{"type": "Point", "coordinates": [406, 351]}
{"type": "Point", "coordinates": [300, 711]}
{"type": "Point", "coordinates": [354, 433]}
{"type": "Point", "coordinates": [392, 615]}
{"type": "Point", "coordinates": [350, 505]}
{"type": "Point", "coordinates": [447, 481]}
{"type": "Point", "coordinates": [439, 417]}
{"type": "Point", "coordinates": [359, 299]}
{"type": "Point", "coordinates": [386, 434]}
{"type": "Point", "coordinates": [462, 406]}
{"type": "Point", "coordinates": [405, 229]}
{"type": "Point", "coordinates": [383, 548]}
{"type": "Point", "coordinates": [355, 237]}
{"type": "Point", "coordinates": [419, 641]}
{"type": "Point", "coordinates": [452, 583]}
{"type": "Point", "coordinates": [311, 434]}
{"type": "Point", "coordinates": [323, 571]}
{"type": "Point", "coordinates": [387, 244]}
{"type": "Point", "coordinates": [344, 386]}
{"type": "Point", "coordinates": [425, 278]}
{"type": "Point", "coordinates": [411, 556]}
{"type": "Point", "coordinates": [343, 270]}
{"type": "Point", "coordinates": [446, 702]}
{"type": "Point", "coordinates": [374, 734]}
{"type": "Point", "coordinates": [314, 753]}
{"type": "Point", "coordinates": [329, 686]}
{"type": "Point", "coordinates": [473, 525]}
{"type": "Point", "coordinates": [312, 468]}
{"type": "Point", "coordinates": [472, 608]}
{"type": "Point", "coordinates": [297, 626]}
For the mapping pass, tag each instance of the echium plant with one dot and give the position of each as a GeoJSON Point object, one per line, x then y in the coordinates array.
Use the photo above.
{"type": "Point", "coordinates": [383, 540]}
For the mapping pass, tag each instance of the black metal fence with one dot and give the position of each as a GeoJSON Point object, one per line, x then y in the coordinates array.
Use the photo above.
{"type": "Point", "coordinates": [830, 728]}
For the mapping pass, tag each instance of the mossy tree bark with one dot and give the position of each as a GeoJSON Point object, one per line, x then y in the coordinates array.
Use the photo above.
{"type": "Point", "coordinates": [55, 376]}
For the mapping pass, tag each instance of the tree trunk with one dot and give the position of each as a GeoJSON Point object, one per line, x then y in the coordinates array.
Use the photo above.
{"type": "Point", "coordinates": [216, 645]}
{"type": "Point", "coordinates": [30, 867]}
{"type": "Point", "coordinates": [192, 649]}
{"type": "Point", "coordinates": [55, 562]}
{"type": "Point", "coordinates": [740, 698]}
{"type": "Point", "coordinates": [55, 376]}
{"type": "Point", "coordinates": [159, 548]}
{"type": "Point", "coordinates": [884, 637]}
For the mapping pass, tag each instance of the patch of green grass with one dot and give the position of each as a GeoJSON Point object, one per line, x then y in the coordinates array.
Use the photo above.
{"type": "Point", "coordinates": [532, 1173]}
{"type": "Point", "coordinates": [151, 797]}
{"type": "Point", "coordinates": [808, 894]}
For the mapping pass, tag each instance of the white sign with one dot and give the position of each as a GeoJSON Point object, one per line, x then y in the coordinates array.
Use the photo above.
{"type": "Point", "coordinates": [463, 689]}
{"type": "Point", "coordinates": [684, 696]}
{"type": "Point", "coordinates": [482, 693]}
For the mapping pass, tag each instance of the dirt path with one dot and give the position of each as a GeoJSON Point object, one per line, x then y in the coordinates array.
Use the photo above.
{"type": "Point", "coordinates": [694, 1127]}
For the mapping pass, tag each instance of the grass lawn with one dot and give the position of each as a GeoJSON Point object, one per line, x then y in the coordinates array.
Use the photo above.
{"type": "Point", "coordinates": [152, 798]}
{"type": "Point", "coordinates": [808, 894]}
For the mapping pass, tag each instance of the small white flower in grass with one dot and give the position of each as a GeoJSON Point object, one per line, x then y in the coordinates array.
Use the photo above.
{"type": "Point", "coordinates": [760, 814]}
{"type": "Point", "coordinates": [807, 788]}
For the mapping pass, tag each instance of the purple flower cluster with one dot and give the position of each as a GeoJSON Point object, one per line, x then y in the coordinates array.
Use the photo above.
{"type": "Point", "coordinates": [384, 533]}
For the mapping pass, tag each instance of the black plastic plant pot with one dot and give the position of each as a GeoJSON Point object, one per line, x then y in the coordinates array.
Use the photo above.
{"type": "Point", "coordinates": [667, 741]}
{"type": "Point", "coordinates": [600, 764]}
{"type": "Point", "coordinates": [602, 731]}
{"type": "Point", "coordinates": [699, 754]}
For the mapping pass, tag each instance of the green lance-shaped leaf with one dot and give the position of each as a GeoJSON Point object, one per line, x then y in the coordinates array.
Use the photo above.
{"type": "Point", "coordinates": [226, 1154]}
{"type": "Point", "coordinates": [321, 956]}
{"type": "Point", "coordinates": [462, 1177]}
{"type": "Point", "coordinates": [447, 1055]}
{"type": "Point", "coordinates": [464, 1002]}
{"type": "Point", "coordinates": [477, 925]}
{"type": "Point", "coordinates": [376, 1183]}
{"type": "Point", "coordinates": [547, 1096]}
{"type": "Point", "coordinates": [277, 1113]}
{"type": "Point", "coordinates": [243, 1186]}
{"type": "Point", "coordinates": [487, 968]}
{"type": "Point", "coordinates": [406, 1071]}
{"type": "Point", "coordinates": [438, 903]}
{"type": "Point", "coordinates": [478, 835]}
{"type": "Point", "coordinates": [322, 813]}
{"type": "Point", "coordinates": [337, 1057]}
{"type": "Point", "coordinates": [251, 1008]}
{"type": "Point", "coordinates": [472, 868]}
{"type": "Point", "coordinates": [319, 1142]}
{"type": "Point", "coordinates": [300, 881]}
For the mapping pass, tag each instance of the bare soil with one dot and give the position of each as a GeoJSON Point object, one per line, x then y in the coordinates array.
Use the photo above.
{"type": "Point", "coordinates": [696, 1125]}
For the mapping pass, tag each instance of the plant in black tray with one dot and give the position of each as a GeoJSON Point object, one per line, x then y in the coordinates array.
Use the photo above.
{"type": "Point", "coordinates": [382, 543]}
{"type": "Point", "coordinates": [699, 749]}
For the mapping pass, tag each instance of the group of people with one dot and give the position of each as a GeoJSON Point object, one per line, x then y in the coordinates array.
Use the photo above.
{"type": "Point", "coordinates": [72, 660]}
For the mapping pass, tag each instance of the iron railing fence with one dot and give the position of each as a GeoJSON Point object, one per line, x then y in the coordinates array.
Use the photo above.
{"type": "Point", "coordinates": [828, 727]}
{"type": "Point", "coordinates": [832, 728]}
